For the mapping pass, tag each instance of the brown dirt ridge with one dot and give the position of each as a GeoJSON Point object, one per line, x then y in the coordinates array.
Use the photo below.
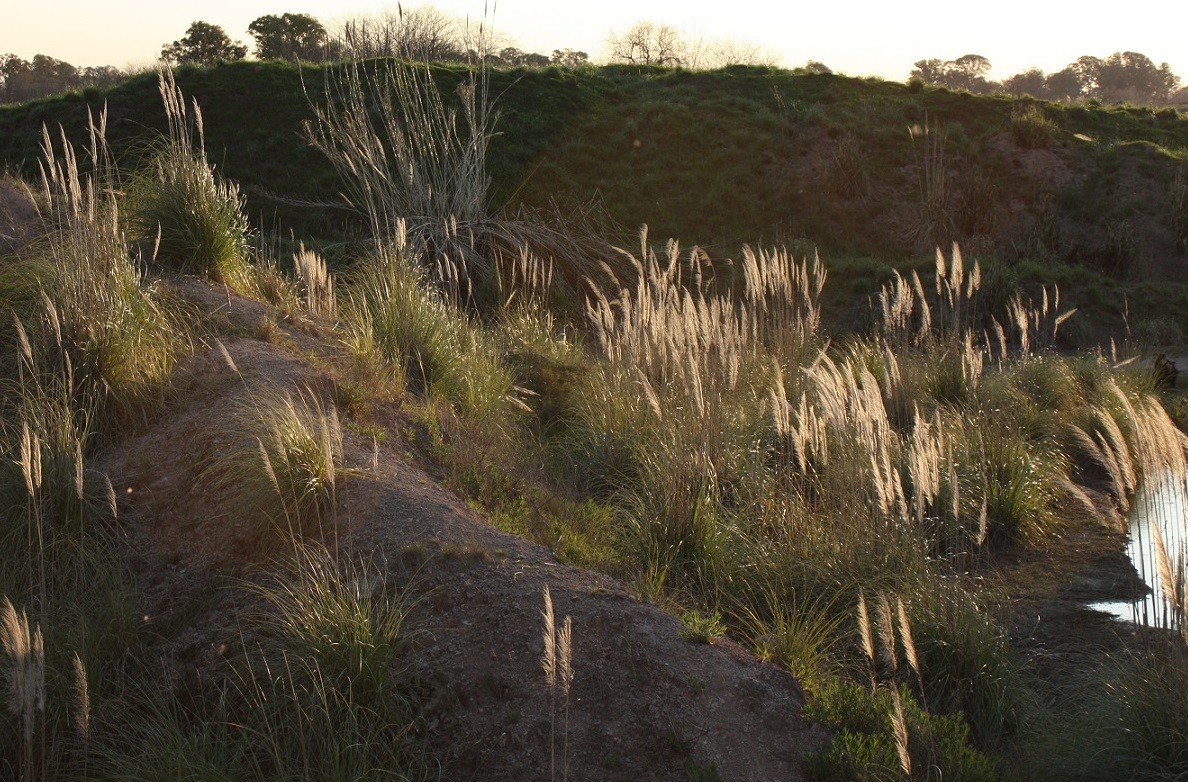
{"type": "Point", "coordinates": [645, 703]}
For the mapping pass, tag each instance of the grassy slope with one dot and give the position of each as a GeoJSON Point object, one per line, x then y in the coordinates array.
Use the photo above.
{"type": "Point", "coordinates": [742, 154]}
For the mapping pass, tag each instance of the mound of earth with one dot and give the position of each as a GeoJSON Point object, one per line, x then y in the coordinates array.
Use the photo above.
{"type": "Point", "coordinates": [645, 702]}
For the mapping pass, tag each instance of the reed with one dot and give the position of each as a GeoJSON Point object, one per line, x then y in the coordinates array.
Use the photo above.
{"type": "Point", "coordinates": [24, 646]}
{"type": "Point", "coordinates": [317, 281]}
{"type": "Point", "coordinates": [557, 663]}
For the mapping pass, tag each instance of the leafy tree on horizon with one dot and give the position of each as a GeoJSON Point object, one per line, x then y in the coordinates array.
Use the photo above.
{"type": "Point", "coordinates": [1030, 82]}
{"type": "Point", "coordinates": [1065, 84]}
{"type": "Point", "coordinates": [1121, 77]}
{"type": "Point", "coordinates": [1131, 76]}
{"type": "Point", "coordinates": [22, 80]}
{"type": "Point", "coordinates": [967, 72]}
{"type": "Point", "coordinates": [569, 57]}
{"type": "Point", "coordinates": [203, 44]}
{"type": "Point", "coordinates": [290, 37]}
{"type": "Point", "coordinates": [510, 55]}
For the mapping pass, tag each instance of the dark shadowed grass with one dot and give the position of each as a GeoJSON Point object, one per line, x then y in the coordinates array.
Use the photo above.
{"type": "Point", "coordinates": [316, 691]}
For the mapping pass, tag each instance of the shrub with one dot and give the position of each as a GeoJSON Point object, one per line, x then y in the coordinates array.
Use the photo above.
{"type": "Point", "coordinates": [864, 747]}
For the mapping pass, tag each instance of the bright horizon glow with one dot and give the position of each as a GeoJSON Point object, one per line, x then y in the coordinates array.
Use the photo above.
{"type": "Point", "coordinates": [859, 39]}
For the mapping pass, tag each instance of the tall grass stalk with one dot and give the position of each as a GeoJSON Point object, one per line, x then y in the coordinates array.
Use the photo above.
{"type": "Point", "coordinates": [406, 156]}
{"type": "Point", "coordinates": [557, 663]}
{"type": "Point", "coordinates": [24, 646]}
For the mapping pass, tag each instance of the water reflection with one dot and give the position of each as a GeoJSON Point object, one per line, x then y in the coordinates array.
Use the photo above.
{"type": "Point", "coordinates": [1163, 505]}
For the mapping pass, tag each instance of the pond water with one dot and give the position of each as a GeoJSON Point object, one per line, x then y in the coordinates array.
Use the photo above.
{"type": "Point", "coordinates": [1164, 505]}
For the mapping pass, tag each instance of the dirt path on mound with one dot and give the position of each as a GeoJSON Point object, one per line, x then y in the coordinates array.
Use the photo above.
{"type": "Point", "coordinates": [645, 703]}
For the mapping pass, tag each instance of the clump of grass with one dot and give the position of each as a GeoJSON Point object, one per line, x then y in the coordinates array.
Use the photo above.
{"type": "Point", "coordinates": [80, 299]}
{"type": "Point", "coordinates": [1031, 128]}
{"type": "Point", "coordinates": [415, 163]}
{"type": "Point", "coordinates": [317, 281]}
{"type": "Point", "coordinates": [393, 316]}
{"type": "Point", "coordinates": [932, 222]}
{"type": "Point", "coordinates": [964, 661]}
{"type": "Point", "coordinates": [344, 620]}
{"type": "Point", "coordinates": [315, 692]}
{"type": "Point", "coordinates": [1125, 718]}
{"type": "Point", "coordinates": [799, 636]}
{"type": "Point", "coordinates": [702, 628]}
{"type": "Point", "coordinates": [283, 472]}
{"type": "Point", "coordinates": [188, 217]}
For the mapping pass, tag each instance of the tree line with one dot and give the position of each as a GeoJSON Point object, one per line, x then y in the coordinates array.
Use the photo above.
{"type": "Point", "coordinates": [1123, 77]}
{"type": "Point", "coordinates": [22, 80]}
{"type": "Point", "coordinates": [428, 34]}
{"type": "Point", "coordinates": [423, 33]}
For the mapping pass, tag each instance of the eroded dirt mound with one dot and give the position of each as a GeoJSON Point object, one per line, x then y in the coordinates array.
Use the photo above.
{"type": "Point", "coordinates": [645, 702]}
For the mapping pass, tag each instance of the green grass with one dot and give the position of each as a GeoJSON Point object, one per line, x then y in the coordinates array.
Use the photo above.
{"type": "Point", "coordinates": [317, 692]}
{"type": "Point", "coordinates": [864, 747]}
{"type": "Point", "coordinates": [395, 318]}
{"type": "Point", "coordinates": [566, 134]}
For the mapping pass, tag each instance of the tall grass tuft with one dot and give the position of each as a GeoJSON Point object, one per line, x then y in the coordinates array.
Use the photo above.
{"type": "Point", "coordinates": [414, 162]}
{"type": "Point", "coordinates": [187, 217]}
{"type": "Point", "coordinates": [81, 301]}
{"type": "Point", "coordinates": [317, 282]}
{"type": "Point", "coordinates": [282, 472]}
{"type": "Point", "coordinates": [393, 315]}
{"type": "Point", "coordinates": [23, 644]}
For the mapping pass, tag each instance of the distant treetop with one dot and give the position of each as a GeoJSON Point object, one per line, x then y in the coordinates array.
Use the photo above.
{"type": "Point", "coordinates": [293, 37]}
{"type": "Point", "coordinates": [1122, 77]}
{"type": "Point", "coordinates": [203, 44]}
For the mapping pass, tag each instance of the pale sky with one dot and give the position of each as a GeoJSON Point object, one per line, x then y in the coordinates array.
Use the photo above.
{"type": "Point", "coordinates": [864, 38]}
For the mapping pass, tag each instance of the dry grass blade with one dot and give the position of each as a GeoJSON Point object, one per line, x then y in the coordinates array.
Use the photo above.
{"type": "Point", "coordinates": [886, 628]}
{"type": "Point", "coordinates": [1167, 572]}
{"type": "Point", "coordinates": [565, 656]}
{"type": "Point", "coordinates": [909, 644]}
{"type": "Point", "coordinates": [549, 660]}
{"type": "Point", "coordinates": [900, 730]}
{"type": "Point", "coordinates": [864, 630]}
{"type": "Point", "coordinates": [82, 700]}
